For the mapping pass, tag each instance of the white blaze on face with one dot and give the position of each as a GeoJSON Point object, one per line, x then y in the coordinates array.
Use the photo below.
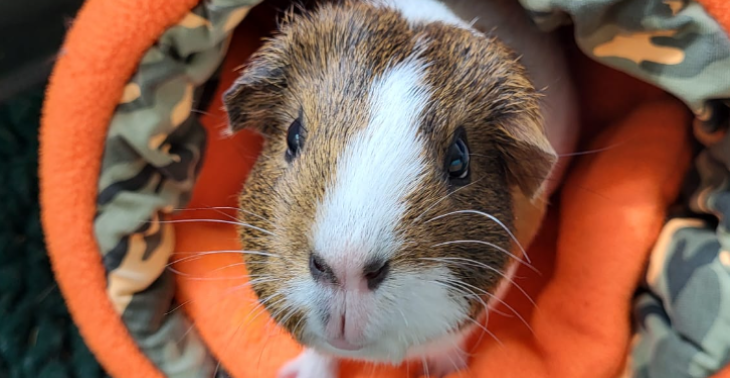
{"type": "Point", "coordinates": [356, 222]}
{"type": "Point", "coordinates": [378, 169]}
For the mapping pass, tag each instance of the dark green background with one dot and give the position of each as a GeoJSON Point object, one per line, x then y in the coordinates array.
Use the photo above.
{"type": "Point", "coordinates": [37, 337]}
{"type": "Point", "coordinates": [31, 32]}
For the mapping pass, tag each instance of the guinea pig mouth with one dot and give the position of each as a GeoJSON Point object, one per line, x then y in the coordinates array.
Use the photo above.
{"type": "Point", "coordinates": [344, 345]}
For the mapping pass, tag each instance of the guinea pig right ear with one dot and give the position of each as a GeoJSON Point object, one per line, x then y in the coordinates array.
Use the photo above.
{"type": "Point", "coordinates": [530, 158]}
{"type": "Point", "coordinates": [254, 97]}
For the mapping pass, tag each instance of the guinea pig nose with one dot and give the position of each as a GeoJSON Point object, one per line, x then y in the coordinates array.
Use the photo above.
{"type": "Point", "coordinates": [320, 270]}
{"type": "Point", "coordinates": [376, 272]}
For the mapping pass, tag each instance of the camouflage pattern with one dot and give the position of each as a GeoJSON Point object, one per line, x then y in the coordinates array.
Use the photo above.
{"type": "Point", "coordinates": [153, 152]}
{"type": "Point", "coordinates": [155, 146]}
{"type": "Point", "coordinates": [673, 44]}
{"type": "Point", "coordinates": [682, 312]}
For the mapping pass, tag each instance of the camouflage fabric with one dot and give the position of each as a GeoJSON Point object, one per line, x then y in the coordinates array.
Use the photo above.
{"type": "Point", "coordinates": [673, 44]}
{"type": "Point", "coordinates": [682, 313]}
{"type": "Point", "coordinates": [153, 152]}
{"type": "Point", "coordinates": [155, 146]}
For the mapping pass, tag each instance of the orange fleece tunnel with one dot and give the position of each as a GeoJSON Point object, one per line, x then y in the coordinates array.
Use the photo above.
{"type": "Point", "coordinates": [133, 130]}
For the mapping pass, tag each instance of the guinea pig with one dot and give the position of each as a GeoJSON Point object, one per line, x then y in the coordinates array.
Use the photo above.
{"type": "Point", "coordinates": [410, 148]}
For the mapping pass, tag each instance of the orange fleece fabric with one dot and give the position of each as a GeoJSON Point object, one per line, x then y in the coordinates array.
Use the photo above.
{"type": "Point", "coordinates": [99, 55]}
{"type": "Point", "coordinates": [591, 250]}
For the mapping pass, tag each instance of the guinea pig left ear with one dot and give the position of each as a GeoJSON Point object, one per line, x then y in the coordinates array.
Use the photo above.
{"type": "Point", "coordinates": [529, 156]}
{"type": "Point", "coordinates": [254, 97]}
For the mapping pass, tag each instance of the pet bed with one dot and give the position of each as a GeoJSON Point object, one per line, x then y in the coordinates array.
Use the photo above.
{"type": "Point", "coordinates": [132, 133]}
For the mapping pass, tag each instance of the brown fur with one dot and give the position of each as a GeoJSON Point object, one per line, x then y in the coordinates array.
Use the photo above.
{"type": "Point", "coordinates": [320, 68]}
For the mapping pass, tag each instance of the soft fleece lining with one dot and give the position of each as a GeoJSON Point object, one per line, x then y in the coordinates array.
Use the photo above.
{"type": "Point", "coordinates": [580, 327]}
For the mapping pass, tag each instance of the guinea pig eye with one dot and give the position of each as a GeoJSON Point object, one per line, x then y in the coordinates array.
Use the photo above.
{"type": "Point", "coordinates": [457, 162]}
{"type": "Point", "coordinates": [294, 140]}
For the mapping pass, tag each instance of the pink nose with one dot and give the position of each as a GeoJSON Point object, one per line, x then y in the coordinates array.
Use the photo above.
{"type": "Point", "coordinates": [369, 277]}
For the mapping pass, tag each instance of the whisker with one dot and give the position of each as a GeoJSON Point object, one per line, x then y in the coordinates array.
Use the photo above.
{"type": "Point", "coordinates": [216, 209]}
{"type": "Point", "coordinates": [289, 315]}
{"type": "Point", "coordinates": [226, 208]}
{"type": "Point", "coordinates": [206, 208]}
{"type": "Point", "coordinates": [288, 310]}
{"type": "Point", "coordinates": [487, 331]}
{"type": "Point", "coordinates": [199, 255]}
{"type": "Point", "coordinates": [484, 304]}
{"type": "Point", "coordinates": [496, 299]}
{"type": "Point", "coordinates": [464, 288]}
{"type": "Point", "coordinates": [194, 278]}
{"type": "Point", "coordinates": [408, 368]}
{"type": "Point", "coordinates": [260, 308]}
{"type": "Point", "coordinates": [405, 320]}
{"type": "Point", "coordinates": [221, 295]}
{"type": "Point", "coordinates": [268, 326]}
{"type": "Point", "coordinates": [588, 152]}
{"type": "Point", "coordinates": [453, 363]}
{"type": "Point", "coordinates": [493, 246]}
{"type": "Point", "coordinates": [296, 326]}
{"type": "Point", "coordinates": [179, 306]}
{"type": "Point", "coordinates": [372, 369]}
{"type": "Point", "coordinates": [255, 215]}
{"type": "Point", "coordinates": [445, 197]}
{"type": "Point", "coordinates": [219, 221]}
{"type": "Point", "coordinates": [493, 218]}
{"type": "Point", "coordinates": [579, 153]}
{"type": "Point", "coordinates": [228, 266]}
{"type": "Point", "coordinates": [230, 341]}
{"type": "Point", "coordinates": [185, 334]}
{"type": "Point", "coordinates": [485, 266]}
{"type": "Point", "coordinates": [198, 111]}
{"type": "Point", "coordinates": [280, 311]}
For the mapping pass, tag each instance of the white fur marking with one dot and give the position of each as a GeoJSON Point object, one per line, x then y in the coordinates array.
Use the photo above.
{"type": "Point", "coordinates": [424, 11]}
{"type": "Point", "coordinates": [379, 168]}
{"type": "Point", "coordinates": [310, 364]}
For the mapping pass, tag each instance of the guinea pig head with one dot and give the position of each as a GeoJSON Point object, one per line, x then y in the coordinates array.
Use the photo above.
{"type": "Point", "coordinates": [381, 207]}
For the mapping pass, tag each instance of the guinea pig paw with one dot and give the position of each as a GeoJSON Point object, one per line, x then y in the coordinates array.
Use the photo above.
{"type": "Point", "coordinates": [310, 364]}
{"type": "Point", "coordinates": [447, 363]}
